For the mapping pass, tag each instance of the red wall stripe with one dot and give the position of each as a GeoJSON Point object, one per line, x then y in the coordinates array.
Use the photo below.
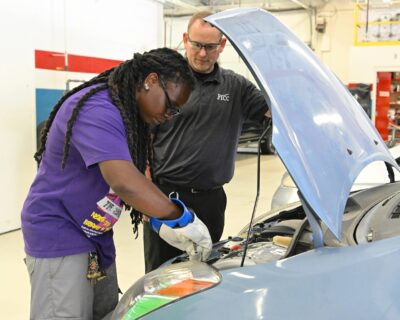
{"type": "Point", "coordinates": [56, 61]}
{"type": "Point", "coordinates": [49, 60]}
{"type": "Point", "coordinates": [90, 64]}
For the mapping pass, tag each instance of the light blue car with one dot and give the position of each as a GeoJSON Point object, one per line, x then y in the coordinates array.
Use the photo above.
{"type": "Point", "coordinates": [331, 256]}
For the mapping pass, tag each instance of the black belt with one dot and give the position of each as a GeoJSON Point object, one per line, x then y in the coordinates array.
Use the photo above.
{"type": "Point", "coordinates": [186, 189]}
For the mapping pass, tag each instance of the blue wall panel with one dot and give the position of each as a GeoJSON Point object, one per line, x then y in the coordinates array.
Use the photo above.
{"type": "Point", "coordinates": [45, 101]}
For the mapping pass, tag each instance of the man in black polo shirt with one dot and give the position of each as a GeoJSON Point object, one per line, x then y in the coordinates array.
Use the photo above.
{"type": "Point", "coordinates": [194, 153]}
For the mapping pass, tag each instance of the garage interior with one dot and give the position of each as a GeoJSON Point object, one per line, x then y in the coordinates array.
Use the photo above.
{"type": "Point", "coordinates": [359, 40]}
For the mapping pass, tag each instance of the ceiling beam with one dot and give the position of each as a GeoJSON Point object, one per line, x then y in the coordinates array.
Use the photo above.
{"type": "Point", "coordinates": [182, 4]}
{"type": "Point", "coordinates": [301, 4]}
{"type": "Point", "coordinates": [179, 12]}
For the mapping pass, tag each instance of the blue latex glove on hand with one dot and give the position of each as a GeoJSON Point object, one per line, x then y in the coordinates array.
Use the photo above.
{"type": "Point", "coordinates": [187, 233]}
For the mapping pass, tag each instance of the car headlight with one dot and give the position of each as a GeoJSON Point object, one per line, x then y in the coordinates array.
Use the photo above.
{"type": "Point", "coordinates": [164, 285]}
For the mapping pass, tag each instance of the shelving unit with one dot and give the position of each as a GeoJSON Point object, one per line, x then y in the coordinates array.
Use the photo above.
{"type": "Point", "coordinates": [395, 91]}
{"type": "Point", "coordinates": [376, 23]}
{"type": "Point", "coordinates": [388, 104]}
{"type": "Point", "coordinates": [394, 106]}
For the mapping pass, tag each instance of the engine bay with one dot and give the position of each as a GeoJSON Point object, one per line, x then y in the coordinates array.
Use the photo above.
{"type": "Point", "coordinates": [370, 215]}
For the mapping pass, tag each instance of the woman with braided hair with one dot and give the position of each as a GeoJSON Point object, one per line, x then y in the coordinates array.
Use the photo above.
{"type": "Point", "coordinates": [94, 151]}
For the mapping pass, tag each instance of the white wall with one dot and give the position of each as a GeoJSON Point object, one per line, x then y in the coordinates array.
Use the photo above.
{"type": "Point", "coordinates": [100, 28]}
{"type": "Point", "coordinates": [367, 61]}
{"type": "Point", "coordinates": [333, 46]}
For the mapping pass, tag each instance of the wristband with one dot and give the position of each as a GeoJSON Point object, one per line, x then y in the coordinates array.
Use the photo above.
{"type": "Point", "coordinates": [186, 218]}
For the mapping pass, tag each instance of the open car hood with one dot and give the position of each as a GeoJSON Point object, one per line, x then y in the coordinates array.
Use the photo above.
{"type": "Point", "coordinates": [320, 132]}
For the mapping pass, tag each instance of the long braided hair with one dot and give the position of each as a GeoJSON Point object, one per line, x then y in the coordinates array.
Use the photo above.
{"type": "Point", "coordinates": [122, 82]}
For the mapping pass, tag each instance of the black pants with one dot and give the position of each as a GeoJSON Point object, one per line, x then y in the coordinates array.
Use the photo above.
{"type": "Point", "coordinates": [209, 207]}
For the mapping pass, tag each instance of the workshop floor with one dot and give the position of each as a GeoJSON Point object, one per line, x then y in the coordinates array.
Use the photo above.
{"type": "Point", "coordinates": [241, 192]}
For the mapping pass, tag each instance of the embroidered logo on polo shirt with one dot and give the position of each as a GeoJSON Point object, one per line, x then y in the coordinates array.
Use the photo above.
{"type": "Point", "coordinates": [223, 97]}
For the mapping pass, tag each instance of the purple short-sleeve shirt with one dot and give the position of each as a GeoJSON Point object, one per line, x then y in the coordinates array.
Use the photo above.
{"type": "Point", "coordinates": [70, 211]}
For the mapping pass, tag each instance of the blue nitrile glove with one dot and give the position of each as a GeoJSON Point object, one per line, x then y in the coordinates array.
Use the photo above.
{"type": "Point", "coordinates": [187, 233]}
